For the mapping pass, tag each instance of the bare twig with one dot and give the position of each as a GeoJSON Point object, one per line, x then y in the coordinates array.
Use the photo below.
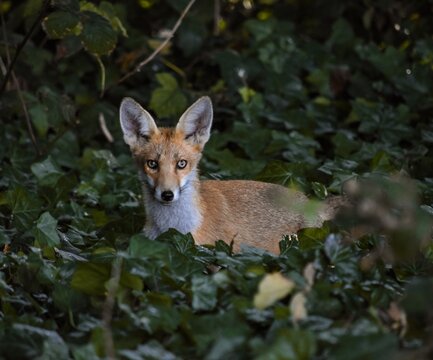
{"type": "Point", "coordinates": [17, 86]}
{"type": "Point", "coordinates": [107, 310]}
{"type": "Point", "coordinates": [104, 128]}
{"type": "Point", "coordinates": [26, 114]}
{"type": "Point", "coordinates": [21, 45]}
{"type": "Point", "coordinates": [161, 46]}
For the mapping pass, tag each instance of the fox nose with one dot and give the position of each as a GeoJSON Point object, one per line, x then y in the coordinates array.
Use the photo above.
{"type": "Point", "coordinates": [167, 195]}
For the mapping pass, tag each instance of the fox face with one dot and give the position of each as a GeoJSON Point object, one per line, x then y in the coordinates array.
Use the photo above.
{"type": "Point", "coordinates": [167, 164]}
{"type": "Point", "coordinates": [167, 157]}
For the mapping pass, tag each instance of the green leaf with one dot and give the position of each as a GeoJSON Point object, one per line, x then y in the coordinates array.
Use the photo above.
{"type": "Point", "coordinates": [98, 36]}
{"type": "Point", "coordinates": [4, 237]}
{"type": "Point", "coordinates": [282, 173]}
{"type": "Point", "coordinates": [335, 250]}
{"type": "Point", "coordinates": [260, 29]}
{"type": "Point", "coordinates": [142, 247]}
{"type": "Point", "coordinates": [20, 340]}
{"type": "Point", "coordinates": [60, 109]}
{"type": "Point", "coordinates": [107, 10]}
{"type": "Point", "coordinates": [66, 298]}
{"type": "Point", "coordinates": [53, 350]}
{"type": "Point", "coordinates": [208, 331]}
{"type": "Point", "coordinates": [167, 99]}
{"type": "Point", "coordinates": [91, 278]}
{"type": "Point", "coordinates": [39, 116]}
{"type": "Point", "coordinates": [204, 293]}
{"type": "Point", "coordinates": [47, 172]}
{"type": "Point", "coordinates": [290, 344]}
{"type": "Point", "coordinates": [59, 24]}
{"type": "Point", "coordinates": [131, 281]}
{"type": "Point", "coordinates": [383, 346]}
{"type": "Point", "coordinates": [234, 164]}
{"type": "Point", "coordinates": [25, 207]}
{"type": "Point", "coordinates": [46, 230]}
{"type": "Point", "coordinates": [152, 350]}
{"type": "Point", "coordinates": [85, 352]}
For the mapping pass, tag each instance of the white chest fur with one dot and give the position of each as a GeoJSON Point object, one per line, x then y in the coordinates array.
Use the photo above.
{"type": "Point", "coordinates": [182, 215]}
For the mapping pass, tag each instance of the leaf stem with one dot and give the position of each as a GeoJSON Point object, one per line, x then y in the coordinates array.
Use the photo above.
{"type": "Point", "coordinates": [102, 69]}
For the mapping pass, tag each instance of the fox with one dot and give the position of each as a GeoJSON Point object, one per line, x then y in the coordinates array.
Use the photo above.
{"type": "Point", "coordinates": [240, 212]}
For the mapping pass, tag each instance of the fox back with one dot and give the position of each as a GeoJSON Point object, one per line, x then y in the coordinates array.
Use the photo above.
{"type": "Point", "coordinates": [245, 212]}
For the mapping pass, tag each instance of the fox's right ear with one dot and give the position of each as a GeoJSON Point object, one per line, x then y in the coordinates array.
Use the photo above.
{"type": "Point", "coordinates": [196, 122]}
{"type": "Point", "coordinates": [135, 122]}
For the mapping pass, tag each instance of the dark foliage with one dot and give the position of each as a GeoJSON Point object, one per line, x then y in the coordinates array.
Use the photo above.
{"type": "Point", "coordinates": [306, 93]}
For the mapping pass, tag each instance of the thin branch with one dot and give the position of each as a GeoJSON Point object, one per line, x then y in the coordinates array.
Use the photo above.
{"type": "Point", "coordinates": [107, 310]}
{"type": "Point", "coordinates": [21, 45]}
{"type": "Point", "coordinates": [20, 94]}
{"type": "Point", "coordinates": [26, 114]}
{"type": "Point", "coordinates": [161, 46]}
{"type": "Point", "coordinates": [104, 128]}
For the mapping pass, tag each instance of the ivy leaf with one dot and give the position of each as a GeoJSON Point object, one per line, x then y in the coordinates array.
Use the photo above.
{"type": "Point", "coordinates": [204, 293]}
{"type": "Point", "coordinates": [59, 24]}
{"type": "Point", "coordinates": [90, 278]}
{"type": "Point", "coordinates": [107, 11]}
{"type": "Point", "coordinates": [140, 246]}
{"type": "Point", "coordinates": [46, 230]}
{"type": "Point", "coordinates": [25, 207]}
{"type": "Point", "coordinates": [288, 174]}
{"type": "Point", "coordinates": [167, 99]}
{"type": "Point", "coordinates": [290, 344]}
{"type": "Point", "coordinates": [47, 172]}
{"type": "Point", "coordinates": [98, 36]}
{"type": "Point", "coordinates": [151, 350]}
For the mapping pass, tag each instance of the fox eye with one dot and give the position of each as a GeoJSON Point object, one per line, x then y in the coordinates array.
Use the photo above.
{"type": "Point", "coordinates": [181, 164]}
{"type": "Point", "coordinates": [152, 164]}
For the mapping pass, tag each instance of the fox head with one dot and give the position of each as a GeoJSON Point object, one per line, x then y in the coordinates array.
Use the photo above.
{"type": "Point", "coordinates": [167, 157]}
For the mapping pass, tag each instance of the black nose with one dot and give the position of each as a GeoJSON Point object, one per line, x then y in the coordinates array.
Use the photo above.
{"type": "Point", "coordinates": [167, 195]}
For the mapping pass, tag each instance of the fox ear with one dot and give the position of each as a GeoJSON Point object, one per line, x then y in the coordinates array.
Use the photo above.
{"type": "Point", "coordinates": [196, 121]}
{"type": "Point", "coordinates": [135, 122]}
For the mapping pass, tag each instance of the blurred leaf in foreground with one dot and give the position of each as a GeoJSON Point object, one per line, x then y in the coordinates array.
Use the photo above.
{"type": "Point", "coordinates": [272, 287]}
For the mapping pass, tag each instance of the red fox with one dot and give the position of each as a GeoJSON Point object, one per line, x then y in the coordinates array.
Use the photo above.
{"type": "Point", "coordinates": [246, 212]}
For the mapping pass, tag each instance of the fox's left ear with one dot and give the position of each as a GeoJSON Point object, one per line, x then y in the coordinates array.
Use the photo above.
{"type": "Point", "coordinates": [135, 122]}
{"type": "Point", "coordinates": [196, 121]}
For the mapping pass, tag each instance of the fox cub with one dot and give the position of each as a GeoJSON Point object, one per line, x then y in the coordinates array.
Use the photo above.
{"type": "Point", "coordinates": [247, 212]}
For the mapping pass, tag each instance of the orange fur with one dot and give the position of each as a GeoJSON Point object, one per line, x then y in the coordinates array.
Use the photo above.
{"type": "Point", "coordinates": [245, 212]}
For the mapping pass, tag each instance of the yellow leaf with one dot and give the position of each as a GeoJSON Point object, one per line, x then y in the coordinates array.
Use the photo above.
{"type": "Point", "coordinates": [272, 288]}
{"type": "Point", "coordinates": [297, 307]}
